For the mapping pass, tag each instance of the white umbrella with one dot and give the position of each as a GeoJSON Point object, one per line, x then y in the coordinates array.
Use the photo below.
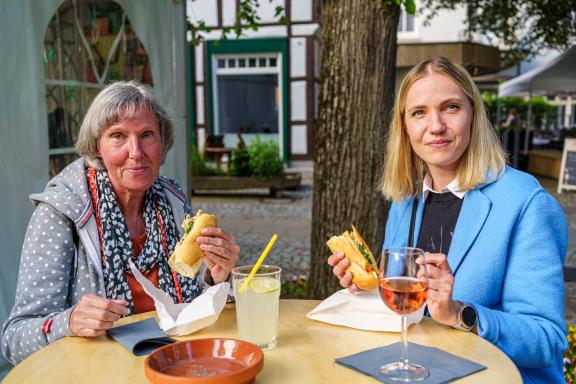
{"type": "Point", "coordinates": [557, 76]}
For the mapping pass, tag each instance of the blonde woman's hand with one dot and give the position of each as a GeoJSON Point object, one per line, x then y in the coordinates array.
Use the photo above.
{"type": "Point", "coordinates": [339, 263]}
{"type": "Point", "coordinates": [440, 284]}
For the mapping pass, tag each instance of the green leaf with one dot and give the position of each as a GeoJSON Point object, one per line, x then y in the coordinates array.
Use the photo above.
{"type": "Point", "coordinates": [279, 9]}
{"type": "Point", "coordinates": [410, 6]}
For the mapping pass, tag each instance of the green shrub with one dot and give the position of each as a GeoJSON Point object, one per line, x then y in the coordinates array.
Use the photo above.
{"type": "Point", "coordinates": [199, 168]}
{"type": "Point", "coordinates": [543, 113]}
{"type": "Point", "coordinates": [260, 159]}
{"type": "Point", "coordinates": [265, 159]}
{"type": "Point", "coordinates": [240, 162]}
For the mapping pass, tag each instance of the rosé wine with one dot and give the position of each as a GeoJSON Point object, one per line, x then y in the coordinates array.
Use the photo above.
{"type": "Point", "coordinates": [403, 295]}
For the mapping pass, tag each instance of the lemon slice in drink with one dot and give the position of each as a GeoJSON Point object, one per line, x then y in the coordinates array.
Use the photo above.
{"type": "Point", "coordinates": [264, 285]}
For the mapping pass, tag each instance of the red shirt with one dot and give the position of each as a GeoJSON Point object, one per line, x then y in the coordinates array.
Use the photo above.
{"type": "Point", "coordinates": [142, 302]}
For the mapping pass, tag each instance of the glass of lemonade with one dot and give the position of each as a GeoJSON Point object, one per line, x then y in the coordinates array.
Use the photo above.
{"type": "Point", "coordinates": [257, 306]}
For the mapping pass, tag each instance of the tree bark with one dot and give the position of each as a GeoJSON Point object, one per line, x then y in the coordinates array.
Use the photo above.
{"type": "Point", "coordinates": [356, 96]}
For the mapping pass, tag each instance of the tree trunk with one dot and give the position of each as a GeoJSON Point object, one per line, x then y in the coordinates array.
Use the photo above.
{"type": "Point", "coordinates": [356, 96]}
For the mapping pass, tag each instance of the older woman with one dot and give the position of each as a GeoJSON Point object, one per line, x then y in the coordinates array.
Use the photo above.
{"type": "Point", "coordinates": [496, 239]}
{"type": "Point", "coordinates": [99, 212]}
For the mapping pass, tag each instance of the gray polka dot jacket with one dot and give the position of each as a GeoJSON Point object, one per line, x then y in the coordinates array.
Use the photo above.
{"type": "Point", "coordinates": [61, 261]}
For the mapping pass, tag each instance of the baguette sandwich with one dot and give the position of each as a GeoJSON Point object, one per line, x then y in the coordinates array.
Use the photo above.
{"type": "Point", "coordinates": [187, 257]}
{"type": "Point", "coordinates": [362, 264]}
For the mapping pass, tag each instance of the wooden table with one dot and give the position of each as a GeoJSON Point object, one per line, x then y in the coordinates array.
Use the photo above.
{"type": "Point", "coordinates": [305, 352]}
{"type": "Point", "coordinates": [218, 152]}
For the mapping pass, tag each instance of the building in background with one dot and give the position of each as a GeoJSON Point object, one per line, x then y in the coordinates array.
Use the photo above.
{"type": "Point", "coordinates": [444, 35]}
{"type": "Point", "coordinates": [266, 82]}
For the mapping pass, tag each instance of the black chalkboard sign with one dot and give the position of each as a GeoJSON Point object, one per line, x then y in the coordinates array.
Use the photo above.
{"type": "Point", "coordinates": [567, 177]}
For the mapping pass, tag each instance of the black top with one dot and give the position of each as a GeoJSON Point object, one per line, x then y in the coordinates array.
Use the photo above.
{"type": "Point", "coordinates": [441, 213]}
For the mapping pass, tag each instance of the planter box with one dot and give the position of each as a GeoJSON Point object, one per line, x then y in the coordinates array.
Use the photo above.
{"type": "Point", "coordinates": [276, 185]}
{"type": "Point", "coordinates": [545, 162]}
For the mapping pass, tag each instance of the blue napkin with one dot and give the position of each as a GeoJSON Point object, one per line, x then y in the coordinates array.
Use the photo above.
{"type": "Point", "coordinates": [443, 366]}
{"type": "Point", "coordinates": [141, 337]}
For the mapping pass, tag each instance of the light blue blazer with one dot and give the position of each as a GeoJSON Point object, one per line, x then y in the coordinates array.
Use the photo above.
{"type": "Point", "coordinates": [507, 255]}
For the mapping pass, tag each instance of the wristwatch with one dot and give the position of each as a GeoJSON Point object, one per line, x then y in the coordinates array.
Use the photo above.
{"type": "Point", "coordinates": [467, 318]}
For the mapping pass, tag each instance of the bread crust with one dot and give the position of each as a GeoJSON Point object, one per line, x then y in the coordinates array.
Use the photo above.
{"type": "Point", "coordinates": [367, 281]}
{"type": "Point", "coordinates": [187, 257]}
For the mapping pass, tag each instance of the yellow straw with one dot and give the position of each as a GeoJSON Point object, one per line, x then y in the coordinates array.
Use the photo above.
{"type": "Point", "coordinates": [258, 263]}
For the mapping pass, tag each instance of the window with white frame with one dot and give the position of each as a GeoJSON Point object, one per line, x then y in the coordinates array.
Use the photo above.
{"type": "Point", "coordinates": [247, 94]}
{"type": "Point", "coordinates": [406, 22]}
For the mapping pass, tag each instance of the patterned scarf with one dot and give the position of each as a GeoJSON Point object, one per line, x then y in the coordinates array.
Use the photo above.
{"type": "Point", "coordinates": [161, 238]}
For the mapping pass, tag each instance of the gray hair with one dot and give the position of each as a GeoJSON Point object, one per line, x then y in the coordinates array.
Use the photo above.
{"type": "Point", "coordinates": [118, 101]}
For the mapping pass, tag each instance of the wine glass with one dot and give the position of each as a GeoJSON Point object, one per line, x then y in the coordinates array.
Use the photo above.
{"type": "Point", "coordinates": [403, 288]}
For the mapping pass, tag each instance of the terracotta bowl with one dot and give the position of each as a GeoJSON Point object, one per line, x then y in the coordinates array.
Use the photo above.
{"type": "Point", "coordinates": [205, 361]}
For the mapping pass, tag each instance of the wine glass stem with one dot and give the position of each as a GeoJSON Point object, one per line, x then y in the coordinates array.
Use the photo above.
{"type": "Point", "coordinates": [405, 340]}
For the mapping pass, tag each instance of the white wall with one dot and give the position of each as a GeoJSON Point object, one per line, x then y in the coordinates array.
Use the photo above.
{"type": "Point", "coordinates": [298, 57]}
{"type": "Point", "coordinates": [298, 100]}
{"type": "Point", "coordinates": [446, 26]}
{"type": "Point", "coordinates": [301, 10]}
{"type": "Point", "coordinates": [267, 10]}
{"type": "Point", "coordinates": [205, 10]}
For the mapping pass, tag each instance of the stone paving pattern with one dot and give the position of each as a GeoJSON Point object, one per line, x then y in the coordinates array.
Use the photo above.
{"type": "Point", "coordinates": [253, 218]}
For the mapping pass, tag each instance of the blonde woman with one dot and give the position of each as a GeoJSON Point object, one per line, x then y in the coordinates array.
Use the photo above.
{"type": "Point", "coordinates": [496, 239]}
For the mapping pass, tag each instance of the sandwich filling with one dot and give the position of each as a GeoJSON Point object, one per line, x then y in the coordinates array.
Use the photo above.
{"type": "Point", "coordinates": [364, 250]}
{"type": "Point", "coordinates": [368, 267]}
{"type": "Point", "coordinates": [188, 223]}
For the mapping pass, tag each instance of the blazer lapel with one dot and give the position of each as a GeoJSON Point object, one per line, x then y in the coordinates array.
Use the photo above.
{"type": "Point", "coordinates": [418, 219]}
{"type": "Point", "coordinates": [475, 209]}
{"type": "Point", "coordinates": [399, 238]}
{"type": "Point", "coordinates": [397, 232]}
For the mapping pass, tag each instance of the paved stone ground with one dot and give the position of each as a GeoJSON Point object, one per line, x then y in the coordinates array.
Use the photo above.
{"type": "Point", "coordinates": [253, 218]}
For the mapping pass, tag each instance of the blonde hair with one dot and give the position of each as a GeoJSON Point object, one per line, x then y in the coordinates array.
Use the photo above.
{"type": "Point", "coordinates": [118, 101]}
{"type": "Point", "coordinates": [483, 160]}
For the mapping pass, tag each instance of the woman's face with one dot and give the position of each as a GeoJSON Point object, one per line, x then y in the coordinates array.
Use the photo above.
{"type": "Point", "coordinates": [438, 117]}
{"type": "Point", "coordinates": [132, 152]}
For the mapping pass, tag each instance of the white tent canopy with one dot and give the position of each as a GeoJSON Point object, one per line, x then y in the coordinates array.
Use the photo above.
{"type": "Point", "coordinates": [24, 144]}
{"type": "Point", "coordinates": [557, 76]}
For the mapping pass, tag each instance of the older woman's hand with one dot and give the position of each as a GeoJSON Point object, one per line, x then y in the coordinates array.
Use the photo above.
{"type": "Point", "coordinates": [339, 263]}
{"type": "Point", "coordinates": [440, 283]}
{"type": "Point", "coordinates": [93, 315]}
{"type": "Point", "coordinates": [221, 252]}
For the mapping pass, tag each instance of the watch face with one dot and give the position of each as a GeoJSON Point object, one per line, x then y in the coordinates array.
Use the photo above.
{"type": "Point", "coordinates": [469, 316]}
